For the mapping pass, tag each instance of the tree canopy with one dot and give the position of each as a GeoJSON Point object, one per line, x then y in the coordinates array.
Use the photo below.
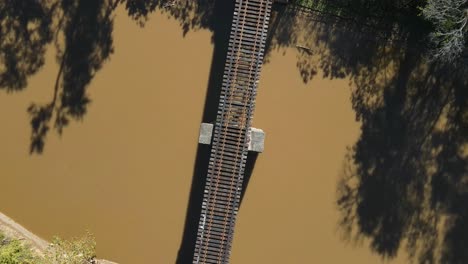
{"type": "Point", "coordinates": [450, 35]}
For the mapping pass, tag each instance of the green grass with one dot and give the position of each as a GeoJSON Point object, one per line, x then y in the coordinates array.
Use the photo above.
{"type": "Point", "coordinates": [76, 251]}
{"type": "Point", "coordinates": [12, 251]}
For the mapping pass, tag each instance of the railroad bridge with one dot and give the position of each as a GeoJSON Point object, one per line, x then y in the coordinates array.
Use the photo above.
{"type": "Point", "coordinates": [231, 134]}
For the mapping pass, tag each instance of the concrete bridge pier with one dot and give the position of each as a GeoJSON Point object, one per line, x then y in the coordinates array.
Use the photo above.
{"type": "Point", "coordinates": [256, 142]}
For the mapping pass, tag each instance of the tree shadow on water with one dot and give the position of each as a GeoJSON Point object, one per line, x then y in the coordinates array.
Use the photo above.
{"type": "Point", "coordinates": [87, 35]}
{"type": "Point", "coordinates": [25, 30]}
{"type": "Point", "coordinates": [404, 184]}
{"type": "Point", "coordinates": [82, 33]}
{"type": "Point", "coordinates": [405, 180]}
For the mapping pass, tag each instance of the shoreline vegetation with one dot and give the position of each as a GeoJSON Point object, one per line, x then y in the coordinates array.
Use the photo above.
{"type": "Point", "coordinates": [445, 22]}
{"type": "Point", "coordinates": [19, 246]}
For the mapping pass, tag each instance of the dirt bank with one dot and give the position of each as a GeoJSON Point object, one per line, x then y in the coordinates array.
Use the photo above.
{"type": "Point", "coordinates": [12, 229]}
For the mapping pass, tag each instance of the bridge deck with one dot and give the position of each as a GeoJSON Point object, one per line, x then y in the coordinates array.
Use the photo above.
{"type": "Point", "coordinates": [233, 124]}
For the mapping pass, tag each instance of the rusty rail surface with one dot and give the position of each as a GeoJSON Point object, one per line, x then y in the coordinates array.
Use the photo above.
{"type": "Point", "coordinates": [230, 138]}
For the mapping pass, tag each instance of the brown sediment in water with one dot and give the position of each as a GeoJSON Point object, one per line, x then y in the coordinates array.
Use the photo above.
{"type": "Point", "coordinates": [125, 170]}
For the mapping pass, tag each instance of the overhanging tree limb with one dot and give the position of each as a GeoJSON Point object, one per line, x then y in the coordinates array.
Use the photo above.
{"type": "Point", "coordinates": [450, 18]}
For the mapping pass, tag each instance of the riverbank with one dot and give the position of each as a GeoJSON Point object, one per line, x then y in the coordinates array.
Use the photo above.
{"type": "Point", "coordinates": [14, 230]}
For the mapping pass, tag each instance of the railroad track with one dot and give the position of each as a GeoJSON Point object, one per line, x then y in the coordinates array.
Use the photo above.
{"type": "Point", "coordinates": [231, 131]}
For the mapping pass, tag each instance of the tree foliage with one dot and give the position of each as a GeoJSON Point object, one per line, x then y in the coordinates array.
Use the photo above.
{"type": "Point", "coordinates": [450, 19]}
{"type": "Point", "coordinates": [13, 251]}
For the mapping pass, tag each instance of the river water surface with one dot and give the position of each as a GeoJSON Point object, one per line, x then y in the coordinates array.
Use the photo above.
{"type": "Point", "coordinates": [124, 172]}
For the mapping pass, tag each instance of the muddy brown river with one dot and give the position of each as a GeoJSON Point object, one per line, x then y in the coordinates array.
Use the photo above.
{"type": "Point", "coordinates": [124, 172]}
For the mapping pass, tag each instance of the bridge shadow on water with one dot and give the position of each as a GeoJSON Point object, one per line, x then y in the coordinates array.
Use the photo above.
{"type": "Point", "coordinates": [220, 25]}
